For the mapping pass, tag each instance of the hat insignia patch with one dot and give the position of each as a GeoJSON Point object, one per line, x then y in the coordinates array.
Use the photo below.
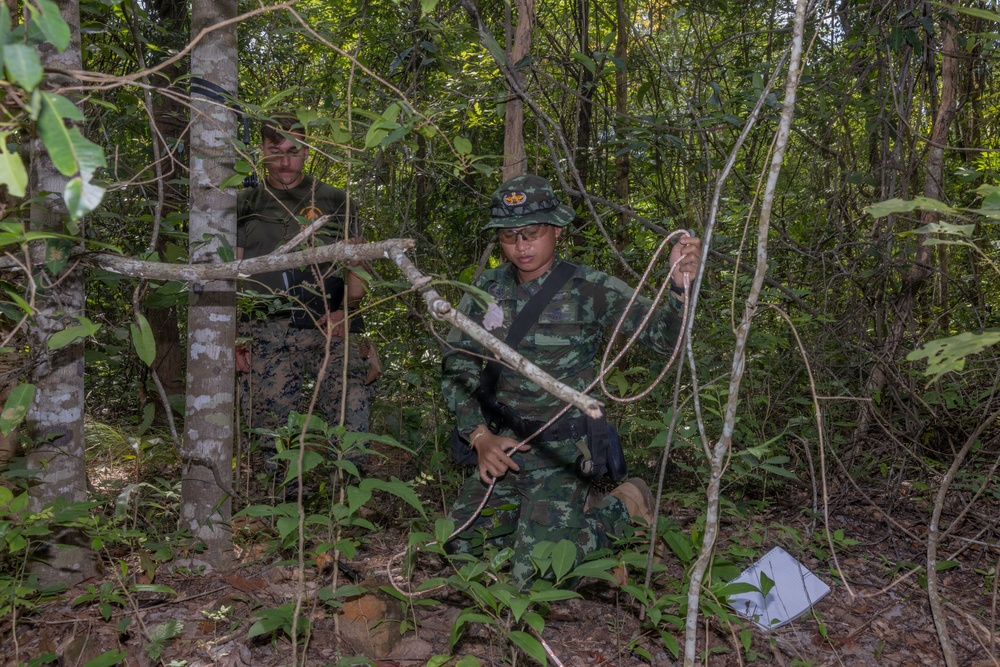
{"type": "Point", "coordinates": [515, 198]}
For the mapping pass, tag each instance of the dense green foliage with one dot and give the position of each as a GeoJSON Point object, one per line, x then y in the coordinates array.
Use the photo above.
{"type": "Point", "coordinates": [405, 106]}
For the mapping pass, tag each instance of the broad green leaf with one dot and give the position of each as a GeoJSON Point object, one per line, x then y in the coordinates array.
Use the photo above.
{"type": "Point", "coordinates": [71, 334]}
{"type": "Point", "coordinates": [554, 595]}
{"type": "Point", "coordinates": [62, 106]}
{"type": "Point", "coordinates": [891, 206]}
{"type": "Point", "coordinates": [586, 61]}
{"type": "Point", "coordinates": [107, 659]}
{"type": "Point", "coordinates": [12, 172]}
{"type": "Point", "coordinates": [286, 525]}
{"type": "Point", "coordinates": [468, 661]}
{"type": "Point", "coordinates": [948, 354]}
{"type": "Point", "coordinates": [971, 11]}
{"type": "Point", "coordinates": [16, 407]}
{"type": "Point", "coordinates": [397, 488]}
{"type": "Point", "coordinates": [50, 22]}
{"type": "Point", "coordinates": [738, 587]}
{"type": "Point", "coordinates": [563, 558]}
{"type": "Point", "coordinates": [142, 339]}
{"type": "Point", "coordinates": [56, 137]}
{"type": "Point", "coordinates": [23, 65]}
{"type": "Point", "coordinates": [427, 6]}
{"type": "Point", "coordinates": [943, 228]}
{"type": "Point", "coordinates": [529, 645]}
{"type": "Point", "coordinates": [766, 584]}
{"type": "Point", "coordinates": [462, 145]}
{"type": "Point", "coordinates": [153, 588]}
{"type": "Point", "coordinates": [82, 197]}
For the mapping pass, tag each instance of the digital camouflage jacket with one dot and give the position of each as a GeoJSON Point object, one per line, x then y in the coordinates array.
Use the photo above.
{"type": "Point", "coordinates": [566, 342]}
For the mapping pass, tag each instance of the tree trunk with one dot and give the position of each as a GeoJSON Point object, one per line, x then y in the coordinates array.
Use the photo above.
{"type": "Point", "coordinates": [207, 450]}
{"type": "Point", "coordinates": [515, 159]}
{"type": "Point", "coordinates": [585, 110]}
{"type": "Point", "coordinates": [623, 163]}
{"type": "Point", "coordinates": [55, 419]}
{"type": "Point", "coordinates": [923, 261]}
{"type": "Point", "coordinates": [170, 119]}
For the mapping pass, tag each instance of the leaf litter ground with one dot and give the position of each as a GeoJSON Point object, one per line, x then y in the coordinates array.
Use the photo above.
{"type": "Point", "coordinates": [877, 614]}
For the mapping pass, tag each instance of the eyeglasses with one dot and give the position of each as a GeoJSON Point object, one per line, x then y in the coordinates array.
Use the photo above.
{"type": "Point", "coordinates": [529, 234]}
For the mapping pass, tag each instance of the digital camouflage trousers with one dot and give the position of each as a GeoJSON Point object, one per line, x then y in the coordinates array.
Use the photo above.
{"type": "Point", "coordinates": [285, 363]}
{"type": "Point", "coordinates": [531, 506]}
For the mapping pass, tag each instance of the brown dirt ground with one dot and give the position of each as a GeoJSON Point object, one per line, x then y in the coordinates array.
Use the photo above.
{"type": "Point", "coordinates": [875, 615]}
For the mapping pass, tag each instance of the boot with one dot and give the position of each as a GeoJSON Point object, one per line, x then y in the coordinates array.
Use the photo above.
{"type": "Point", "coordinates": [637, 498]}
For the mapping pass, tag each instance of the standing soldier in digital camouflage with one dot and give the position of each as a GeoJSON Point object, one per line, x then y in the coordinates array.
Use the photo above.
{"type": "Point", "coordinates": [287, 333]}
{"type": "Point", "coordinates": [541, 492]}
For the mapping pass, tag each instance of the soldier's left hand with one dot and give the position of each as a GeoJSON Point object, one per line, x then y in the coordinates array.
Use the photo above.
{"type": "Point", "coordinates": [334, 320]}
{"type": "Point", "coordinates": [688, 251]}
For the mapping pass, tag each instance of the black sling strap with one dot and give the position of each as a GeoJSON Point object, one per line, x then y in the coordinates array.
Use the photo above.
{"type": "Point", "coordinates": [523, 321]}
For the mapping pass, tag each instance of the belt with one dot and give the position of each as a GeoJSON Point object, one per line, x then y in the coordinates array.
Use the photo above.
{"type": "Point", "coordinates": [564, 429]}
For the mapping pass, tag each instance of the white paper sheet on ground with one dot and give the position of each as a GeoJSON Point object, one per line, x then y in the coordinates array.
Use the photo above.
{"type": "Point", "coordinates": [795, 589]}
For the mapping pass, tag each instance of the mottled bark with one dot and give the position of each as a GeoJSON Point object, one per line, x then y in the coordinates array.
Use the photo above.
{"type": "Point", "coordinates": [55, 421]}
{"type": "Point", "coordinates": [207, 450]}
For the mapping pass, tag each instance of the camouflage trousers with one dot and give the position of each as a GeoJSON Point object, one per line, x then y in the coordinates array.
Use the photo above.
{"type": "Point", "coordinates": [531, 506]}
{"type": "Point", "coordinates": [284, 365]}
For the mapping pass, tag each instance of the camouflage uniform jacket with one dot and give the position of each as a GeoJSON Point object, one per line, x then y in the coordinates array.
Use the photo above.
{"type": "Point", "coordinates": [566, 342]}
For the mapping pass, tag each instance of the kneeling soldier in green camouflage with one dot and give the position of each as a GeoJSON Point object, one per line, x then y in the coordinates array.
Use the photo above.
{"type": "Point", "coordinates": [542, 489]}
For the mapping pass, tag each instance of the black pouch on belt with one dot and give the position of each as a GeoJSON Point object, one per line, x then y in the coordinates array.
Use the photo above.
{"type": "Point", "coordinates": [607, 460]}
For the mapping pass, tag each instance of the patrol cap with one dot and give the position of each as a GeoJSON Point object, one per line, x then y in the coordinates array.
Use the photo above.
{"type": "Point", "coordinates": [527, 200]}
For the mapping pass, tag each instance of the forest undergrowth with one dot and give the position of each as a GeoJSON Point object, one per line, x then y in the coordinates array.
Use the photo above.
{"type": "Point", "coordinates": [158, 603]}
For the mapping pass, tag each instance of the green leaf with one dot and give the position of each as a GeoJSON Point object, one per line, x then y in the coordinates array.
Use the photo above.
{"type": "Point", "coordinates": [554, 595]}
{"type": "Point", "coordinates": [82, 197]}
{"type": "Point", "coordinates": [946, 565]}
{"type": "Point", "coordinates": [468, 661]}
{"type": "Point", "coordinates": [397, 488]}
{"type": "Point", "coordinates": [142, 339]}
{"type": "Point", "coordinates": [891, 206]}
{"type": "Point", "coordinates": [586, 61]}
{"type": "Point", "coordinates": [427, 6]}
{"type": "Point", "coordinates": [738, 587]}
{"type": "Point", "coordinates": [971, 11]}
{"type": "Point", "coordinates": [948, 354]}
{"type": "Point", "coordinates": [529, 645]}
{"type": "Point", "coordinates": [16, 407]}
{"type": "Point", "coordinates": [154, 588]}
{"type": "Point", "coordinates": [12, 172]}
{"type": "Point", "coordinates": [112, 657]}
{"type": "Point", "coordinates": [766, 584]}
{"type": "Point", "coordinates": [462, 145]}
{"type": "Point", "coordinates": [563, 558]}
{"type": "Point", "coordinates": [72, 334]}
{"type": "Point", "coordinates": [23, 65]}
{"type": "Point", "coordinates": [50, 22]}
{"type": "Point", "coordinates": [56, 137]}
{"type": "Point", "coordinates": [943, 228]}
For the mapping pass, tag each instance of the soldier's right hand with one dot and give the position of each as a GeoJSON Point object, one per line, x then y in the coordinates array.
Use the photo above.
{"type": "Point", "coordinates": [494, 456]}
{"type": "Point", "coordinates": [242, 358]}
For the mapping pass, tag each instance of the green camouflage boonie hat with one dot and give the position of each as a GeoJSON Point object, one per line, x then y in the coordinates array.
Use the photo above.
{"type": "Point", "coordinates": [527, 200]}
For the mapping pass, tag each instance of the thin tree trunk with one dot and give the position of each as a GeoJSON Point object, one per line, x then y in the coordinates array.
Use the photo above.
{"type": "Point", "coordinates": [585, 110]}
{"type": "Point", "coordinates": [55, 420]}
{"type": "Point", "coordinates": [923, 261]}
{"type": "Point", "coordinates": [515, 159]}
{"type": "Point", "coordinates": [207, 450]}
{"type": "Point", "coordinates": [623, 162]}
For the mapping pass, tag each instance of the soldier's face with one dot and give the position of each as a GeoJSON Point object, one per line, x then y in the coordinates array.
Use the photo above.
{"type": "Point", "coordinates": [532, 258]}
{"type": "Point", "coordinates": [284, 161]}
